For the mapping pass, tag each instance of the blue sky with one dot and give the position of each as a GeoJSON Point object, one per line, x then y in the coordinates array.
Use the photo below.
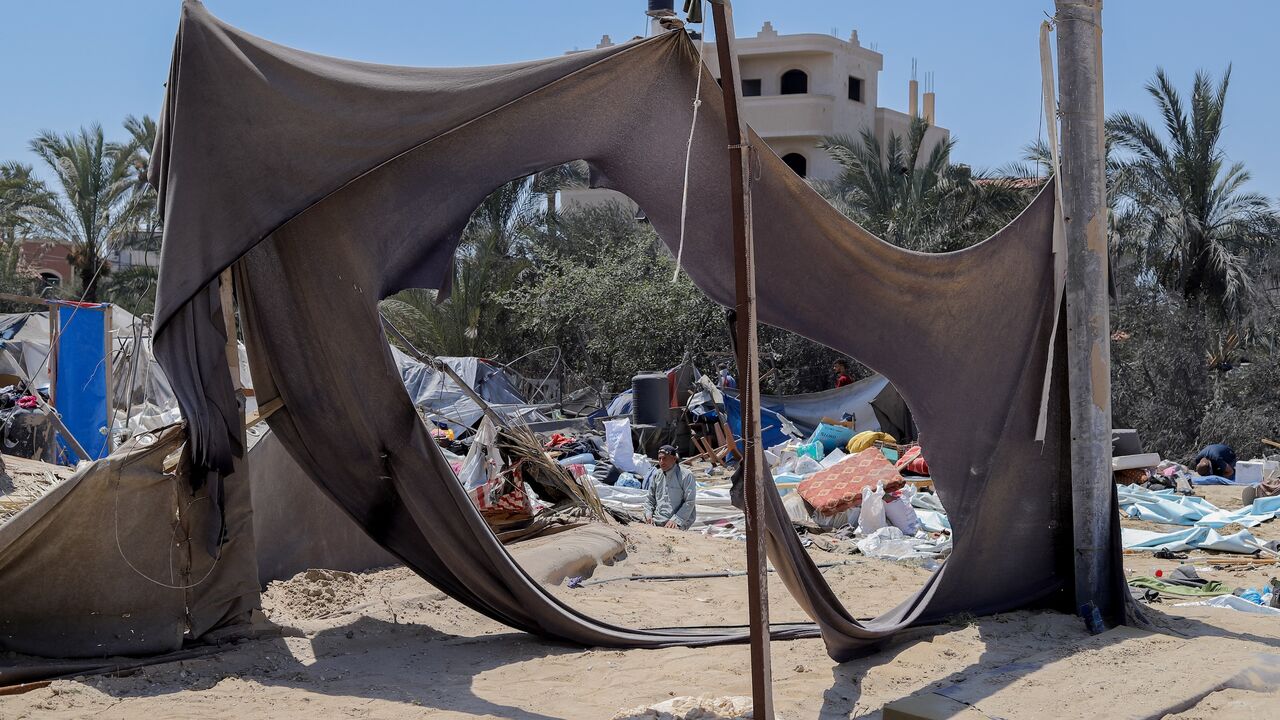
{"type": "Point", "coordinates": [67, 63]}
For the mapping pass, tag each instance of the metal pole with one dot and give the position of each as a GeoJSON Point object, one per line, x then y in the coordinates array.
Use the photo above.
{"type": "Point", "coordinates": [748, 362]}
{"type": "Point", "coordinates": [1084, 190]}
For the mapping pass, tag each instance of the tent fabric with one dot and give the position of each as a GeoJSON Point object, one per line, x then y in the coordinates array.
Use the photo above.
{"type": "Point", "coordinates": [331, 184]}
{"type": "Point", "coordinates": [295, 527]}
{"type": "Point", "coordinates": [772, 426]}
{"type": "Point", "coordinates": [1170, 508]}
{"type": "Point", "coordinates": [806, 410]}
{"type": "Point", "coordinates": [1196, 538]}
{"type": "Point", "coordinates": [84, 576]}
{"type": "Point", "coordinates": [438, 394]}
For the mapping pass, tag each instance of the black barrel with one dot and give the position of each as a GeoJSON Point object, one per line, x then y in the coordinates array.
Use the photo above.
{"type": "Point", "coordinates": [661, 8]}
{"type": "Point", "coordinates": [650, 398]}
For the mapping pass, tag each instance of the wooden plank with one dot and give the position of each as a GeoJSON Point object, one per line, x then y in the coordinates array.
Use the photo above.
{"type": "Point", "coordinates": [748, 361]}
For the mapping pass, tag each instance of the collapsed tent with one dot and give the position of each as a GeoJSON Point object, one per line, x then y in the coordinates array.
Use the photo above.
{"type": "Point", "coordinates": [870, 401]}
{"type": "Point", "coordinates": [113, 561]}
{"type": "Point", "coordinates": [331, 184]}
{"type": "Point", "coordinates": [444, 401]}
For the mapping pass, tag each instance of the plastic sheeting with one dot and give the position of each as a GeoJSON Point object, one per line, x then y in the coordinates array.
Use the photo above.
{"type": "Point", "coordinates": [773, 427]}
{"type": "Point", "coordinates": [1167, 506]}
{"type": "Point", "coordinates": [1197, 538]}
{"type": "Point", "coordinates": [1232, 602]}
{"type": "Point", "coordinates": [442, 398]}
{"type": "Point", "coordinates": [808, 409]}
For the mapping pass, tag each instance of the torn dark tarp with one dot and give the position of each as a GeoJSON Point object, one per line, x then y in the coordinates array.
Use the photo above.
{"type": "Point", "coordinates": [336, 183]}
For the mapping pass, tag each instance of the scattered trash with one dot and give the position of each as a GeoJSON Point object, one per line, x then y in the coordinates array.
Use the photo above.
{"type": "Point", "coordinates": [888, 543]}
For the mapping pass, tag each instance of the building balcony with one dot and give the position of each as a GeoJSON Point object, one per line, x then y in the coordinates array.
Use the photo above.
{"type": "Point", "coordinates": [774, 116]}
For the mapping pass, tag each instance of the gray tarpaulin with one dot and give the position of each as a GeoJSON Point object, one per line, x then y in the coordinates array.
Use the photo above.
{"type": "Point", "coordinates": [295, 527]}
{"type": "Point", "coordinates": [437, 393]}
{"type": "Point", "coordinates": [332, 184]}
{"type": "Point", "coordinates": [112, 562]}
{"type": "Point", "coordinates": [805, 411]}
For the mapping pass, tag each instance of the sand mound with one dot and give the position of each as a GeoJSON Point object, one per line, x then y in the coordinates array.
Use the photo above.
{"type": "Point", "coordinates": [313, 594]}
{"type": "Point", "coordinates": [692, 708]}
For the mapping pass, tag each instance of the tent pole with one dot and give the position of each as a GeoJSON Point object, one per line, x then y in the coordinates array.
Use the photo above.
{"type": "Point", "coordinates": [1084, 193]}
{"type": "Point", "coordinates": [748, 361]}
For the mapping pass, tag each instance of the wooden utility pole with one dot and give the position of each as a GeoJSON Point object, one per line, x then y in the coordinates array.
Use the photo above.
{"type": "Point", "coordinates": [748, 362]}
{"type": "Point", "coordinates": [1084, 199]}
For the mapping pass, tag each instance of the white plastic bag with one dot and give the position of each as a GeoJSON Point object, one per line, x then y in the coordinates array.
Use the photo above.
{"type": "Point", "coordinates": [483, 462]}
{"type": "Point", "coordinates": [617, 440]}
{"type": "Point", "coordinates": [901, 515]}
{"type": "Point", "coordinates": [799, 466]}
{"type": "Point", "coordinates": [872, 517]}
{"type": "Point", "coordinates": [887, 543]}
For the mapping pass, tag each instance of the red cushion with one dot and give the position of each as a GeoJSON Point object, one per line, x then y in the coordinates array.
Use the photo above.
{"type": "Point", "coordinates": [912, 461]}
{"type": "Point", "coordinates": [840, 487]}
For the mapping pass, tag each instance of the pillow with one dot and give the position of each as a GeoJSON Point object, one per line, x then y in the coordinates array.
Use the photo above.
{"type": "Point", "coordinates": [912, 461]}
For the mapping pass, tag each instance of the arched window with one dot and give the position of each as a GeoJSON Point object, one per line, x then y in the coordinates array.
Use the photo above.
{"type": "Point", "coordinates": [795, 82]}
{"type": "Point", "coordinates": [796, 162]}
{"type": "Point", "coordinates": [50, 278]}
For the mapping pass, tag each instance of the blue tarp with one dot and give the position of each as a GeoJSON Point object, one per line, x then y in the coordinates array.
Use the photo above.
{"type": "Point", "coordinates": [771, 423]}
{"type": "Point", "coordinates": [1166, 506]}
{"type": "Point", "coordinates": [1213, 480]}
{"type": "Point", "coordinates": [1201, 538]}
{"type": "Point", "coordinates": [80, 396]}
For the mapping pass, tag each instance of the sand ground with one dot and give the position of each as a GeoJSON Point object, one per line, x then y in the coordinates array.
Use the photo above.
{"type": "Point", "coordinates": [385, 644]}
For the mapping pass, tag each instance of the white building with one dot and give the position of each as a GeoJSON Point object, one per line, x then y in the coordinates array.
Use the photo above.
{"type": "Point", "coordinates": [798, 89]}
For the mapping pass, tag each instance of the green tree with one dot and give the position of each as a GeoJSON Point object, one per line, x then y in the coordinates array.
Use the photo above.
{"type": "Point", "coordinates": [599, 287]}
{"type": "Point", "coordinates": [91, 208]}
{"type": "Point", "coordinates": [1191, 225]}
{"type": "Point", "coordinates": [21, 193]}
{"type": "Point", "coordinates": [914, 199]}
{"type": "Point", "coordinates": [490, 256]}
{"type": "Point", "coordinates": [134, 287]}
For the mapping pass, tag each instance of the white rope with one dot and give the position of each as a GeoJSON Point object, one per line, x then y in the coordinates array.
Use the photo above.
{"type": "Point", "coordinates": [688, 150]}
{"type": "Point", "coordinates": [120, 548]}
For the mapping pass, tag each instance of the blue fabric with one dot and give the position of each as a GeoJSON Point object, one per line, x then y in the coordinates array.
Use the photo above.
{"type": "Point", "coordinates": [1201, 538]}
{"type": "Point", "coordinates": [1212, 480]}
{"type": "Point", "coordinates": [771, 432]}
{"type": "Point", "coordinates": [81, 393]}
{"type": "Point", "coordinates": [1168, 507]}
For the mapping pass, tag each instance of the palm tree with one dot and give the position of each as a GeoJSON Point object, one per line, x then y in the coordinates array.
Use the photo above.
{"type": "Point", "coordinates": [92, 208]}
{"type": "Point", "coordinates": [20, 193]}
{"type": "Point", "coordinates": [1193, 225]}
{"type": "Point", "coordinates": [916, 200]}
{"type": "Point", "coordinates": [142, 196]}
{"type": "Point", "coordinates": [561, 177]}
{"type": "Point", "coordinates": [490, 257]}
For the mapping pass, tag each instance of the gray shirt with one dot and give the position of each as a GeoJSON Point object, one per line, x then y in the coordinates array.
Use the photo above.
{"type": "Point", "coordinates": [672, 494]}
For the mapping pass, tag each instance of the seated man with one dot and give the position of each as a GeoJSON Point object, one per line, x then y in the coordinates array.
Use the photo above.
{"type": "Point", "coordinates": [672, 493]}
{"type": "Point", "coordinates": [1217, 459]}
